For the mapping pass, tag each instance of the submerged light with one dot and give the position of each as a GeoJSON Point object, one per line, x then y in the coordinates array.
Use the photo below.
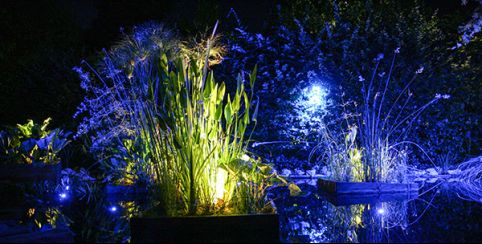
{"type": "Point", "coordinates": [113, 209]}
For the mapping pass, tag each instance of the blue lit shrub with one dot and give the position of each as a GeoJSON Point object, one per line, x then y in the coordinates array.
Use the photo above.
{"type": "Point", "coordinates": [110, 91]}
{"type": "Point", "coordinates": [290, 66]}
{"type": "Point", "coordinates": [330, 37]}
{"type": "Point", "coordinates": [354, 32]}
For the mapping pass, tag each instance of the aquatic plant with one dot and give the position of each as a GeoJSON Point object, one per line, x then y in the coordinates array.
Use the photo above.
{"type": "Point", "coordinates": [342, 158]}
{"type": "Point", "coordinates": [106, 125]}
{"type": "Point", "coordinates": [377, 142]}
{"type": "Point", "coordinates": [385, 126]}
{"type": "Point", "coordinates": [32, 143]}
{"type": "Point", "coordinates": [163, 117]}
{"type": "Point", "coordinates": [196, 140]}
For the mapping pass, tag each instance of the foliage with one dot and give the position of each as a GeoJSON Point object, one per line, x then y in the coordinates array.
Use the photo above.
{"type": "Point", "coordinates": [196, 139]}
{"type": "Point", "coordinates": [335, 42]}
{"type": "Point", "coordinates": [165, 116]}
{"type": "Point", "coordinates": [355, 31]}
{"type": "Point", "coordinates": [383, 122]}
{"type": "Point", "coordinates": [77, 184]}
{"type": "Point", "coordinates": [344, 159]}
{"type": "Point", "coordinates": [109, 132]}
{"type": "Point", "coordinates": [472, 27]}
{"type": "Point", "coordinates": [293, 87]}
{"type": "Point", "coordinates": [32, 143]}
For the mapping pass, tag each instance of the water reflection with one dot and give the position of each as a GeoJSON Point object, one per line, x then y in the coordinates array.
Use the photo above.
{"type": "Point", "coordinates": [317, 218]}
{"type": "Point", "coordinates": [322, 221]}
{"type": "Point", "coordinates": [438, 215]}
{"type": "Point", "coordinates": [60, 214]}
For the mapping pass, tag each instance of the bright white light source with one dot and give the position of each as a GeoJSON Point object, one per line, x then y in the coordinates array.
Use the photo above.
{"type": "Point", "coordinates": [113, 209]}
{"type": "Point", "coordinates": [381, 211]}
{"type": "Point", "coordinates": [63, 196]}
{"type": "Point", "coordinates": [316, 95]}
{"type": "Point", "coordinates": [67, 188]}
{"type": "Point", "coordinates": [221, 177]}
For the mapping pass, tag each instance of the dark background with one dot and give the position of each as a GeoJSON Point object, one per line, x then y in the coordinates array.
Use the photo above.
{"type": "Point", "coordinates": [40, 42]}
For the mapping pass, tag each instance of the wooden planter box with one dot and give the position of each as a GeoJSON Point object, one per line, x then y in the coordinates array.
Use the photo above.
{"type": "Point", "coordinates": [232, 228]}
{"type": "Point", "coordinates": [28, 173]}
{"type": "Point", "coordinates": [348, 193]}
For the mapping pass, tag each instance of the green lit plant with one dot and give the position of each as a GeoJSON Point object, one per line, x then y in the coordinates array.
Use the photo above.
{"type": "Point", "coordinates": [344, 159]}
{"type": "Point", "coordinates": [163, 116]}
{"type": "Point", "coordinates": [197, 143]}
{"type": "Point", "coordinates": [32, 143]}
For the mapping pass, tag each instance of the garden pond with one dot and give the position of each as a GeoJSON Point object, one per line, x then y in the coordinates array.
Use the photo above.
{"type": "Point", "coordinates": [439, 214]}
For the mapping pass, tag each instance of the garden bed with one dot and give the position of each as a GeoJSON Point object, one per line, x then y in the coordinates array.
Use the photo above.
{"type": "Point", "coordinates": [231, 228]}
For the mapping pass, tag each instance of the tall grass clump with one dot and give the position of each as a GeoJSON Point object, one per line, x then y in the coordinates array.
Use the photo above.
{"type": "Point", "coordinates": [385, 121]}
{"type": "Point", "coordinates": [184, 131]}
{"type": "Point", "coordinates": [377, 141]}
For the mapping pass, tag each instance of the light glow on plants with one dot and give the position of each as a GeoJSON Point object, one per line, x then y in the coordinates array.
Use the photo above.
{"type": "Point", "coordinates": [221, 178]}
{"type": "Point", "coordinates": [63, 196]}
{"type": "Point", "coordinates": [316, 97]}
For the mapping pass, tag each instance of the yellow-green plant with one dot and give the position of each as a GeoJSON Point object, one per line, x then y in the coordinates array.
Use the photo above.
{"type": "Point", "coordinates": [344, 159]}
{"type": "Point", "coordinates": [167, 118]}
{"type": "Point", "coordinates": [354, 156]}
{"type": "Point", "coordinates": [194, 132]}
{"type": "Point", "coordinates": [196, 138]}
{"type": "Point", "coordinates": [32, 143]}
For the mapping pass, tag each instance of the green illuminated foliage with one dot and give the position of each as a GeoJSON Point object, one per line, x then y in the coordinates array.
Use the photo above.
{"type": "Point", "coordinates": [32, 143]}
{"type": "Point", "coordinates": [197, 145]}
